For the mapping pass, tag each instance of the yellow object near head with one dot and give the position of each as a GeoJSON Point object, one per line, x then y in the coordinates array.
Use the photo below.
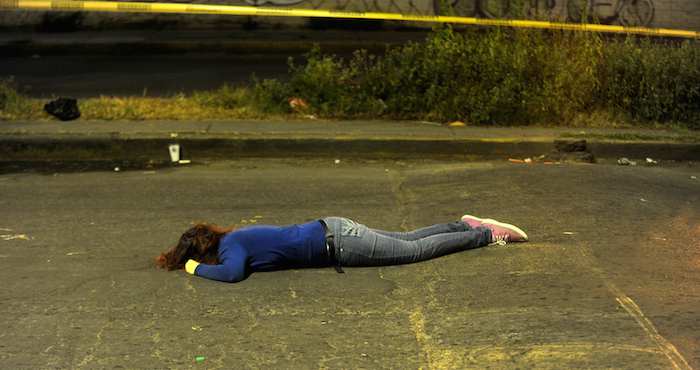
{"type": "Point", "coordinates": [190, 266]}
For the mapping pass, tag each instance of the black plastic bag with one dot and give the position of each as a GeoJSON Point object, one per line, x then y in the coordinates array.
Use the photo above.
{"type": "Point", "coordinates": [65, 109]}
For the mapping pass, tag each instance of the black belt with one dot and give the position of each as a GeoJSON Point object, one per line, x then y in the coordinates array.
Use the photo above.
{"type": "Point", "coordinates": [330, 248]}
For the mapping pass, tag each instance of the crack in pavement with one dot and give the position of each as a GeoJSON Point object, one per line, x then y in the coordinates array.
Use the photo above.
{"type": "Point", "coordinates": [91, 351]}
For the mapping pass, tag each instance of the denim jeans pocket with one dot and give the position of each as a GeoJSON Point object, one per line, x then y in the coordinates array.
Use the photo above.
{"type": "Point", "coordinates": [350, 228]}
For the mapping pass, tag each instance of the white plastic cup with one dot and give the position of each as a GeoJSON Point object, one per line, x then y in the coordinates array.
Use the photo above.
{"type": "Point", "coordinates": [174, 152]}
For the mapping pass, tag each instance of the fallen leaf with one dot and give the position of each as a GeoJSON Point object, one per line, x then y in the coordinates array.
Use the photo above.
{"type": "Point", "coordinates": [7, 237]}
{"type": "Point", "coordinates": [298, 104]}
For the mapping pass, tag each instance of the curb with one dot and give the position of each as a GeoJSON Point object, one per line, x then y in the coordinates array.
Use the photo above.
{"type": "Point", "coordinates": [50, 148]}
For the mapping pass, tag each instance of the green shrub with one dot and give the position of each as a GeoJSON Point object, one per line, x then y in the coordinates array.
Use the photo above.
{"type": "Point", "coordinates": [484, 77]}
{"type": "Point", "coordinates": [14, 105]}
{"type": "Point", "coordinates": [225, 97]}
{"type": "Point", "coordinates": [271, 96]}
{"type": "Point", "coordinates": [320, 82]}
{"type": "Point", "coordinates": [480, 76]}
{"type": "Point", "coordinates": [652, 82]}
{"type": "Point", "coordinates": [562, 75]}
{"type": "Point", "coordinates": [7, 94]}
{"type": "Point", "coordinates": [500, 76]}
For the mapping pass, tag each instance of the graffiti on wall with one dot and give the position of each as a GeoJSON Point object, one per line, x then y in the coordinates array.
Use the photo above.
{"type": "Point", "coordinates": [634, 13]}
{"type": "Point", "coordinates": [497, 8]}
{"type": "Point", "coordinates": [397, 6]}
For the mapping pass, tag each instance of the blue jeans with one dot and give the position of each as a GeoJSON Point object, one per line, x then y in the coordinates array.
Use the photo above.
{"type": "Point", "coordinates": [358, 245]}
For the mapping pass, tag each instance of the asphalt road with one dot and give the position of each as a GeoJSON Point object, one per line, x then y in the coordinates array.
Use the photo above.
{"type": "Point", "coordinates": [166, 62]}
{"type": "Point", "coordinates": [610, 278]}
{"type": "Point", "coordinates": [82, 76]}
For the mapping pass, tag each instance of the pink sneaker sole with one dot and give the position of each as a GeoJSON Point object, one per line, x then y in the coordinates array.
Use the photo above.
{"type": "Point", "coordinates": [515, 229]}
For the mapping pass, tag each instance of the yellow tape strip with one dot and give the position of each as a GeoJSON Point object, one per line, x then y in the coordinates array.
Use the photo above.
{"type": "Point", "coordinates": [137, 7]}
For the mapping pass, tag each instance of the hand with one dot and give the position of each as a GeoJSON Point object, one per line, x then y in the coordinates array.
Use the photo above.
{"type": "Point", "coordinates": [190, 266]}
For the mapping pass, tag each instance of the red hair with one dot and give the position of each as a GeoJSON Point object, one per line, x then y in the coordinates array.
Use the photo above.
{"type": "Point", "coordinates": [200, 243]}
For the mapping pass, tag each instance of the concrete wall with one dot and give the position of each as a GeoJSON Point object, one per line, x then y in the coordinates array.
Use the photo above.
{"type": "Point", "coordinates": [683, 14]}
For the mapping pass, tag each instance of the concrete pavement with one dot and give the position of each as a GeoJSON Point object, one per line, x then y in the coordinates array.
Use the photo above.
{"type": "Point", "coordinates": [609, 280]}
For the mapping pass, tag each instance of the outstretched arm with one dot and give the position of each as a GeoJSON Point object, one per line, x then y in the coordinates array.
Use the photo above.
{"type": "Point", "coordinates": [232, 268]}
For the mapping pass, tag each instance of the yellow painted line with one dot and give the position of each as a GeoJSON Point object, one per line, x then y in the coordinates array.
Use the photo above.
{"type": "Point", "coordinates": [665, 346]}
{"type": "Point", "coordinates": [436, 356]}
{"type": "Point", "coordinates": [178, 8]}
{"type": "Point", "coordinates": [668, 349]}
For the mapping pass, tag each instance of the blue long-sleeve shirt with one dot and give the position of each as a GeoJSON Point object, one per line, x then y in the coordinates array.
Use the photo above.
{"type": "Point", "coordinates": [266, 248]}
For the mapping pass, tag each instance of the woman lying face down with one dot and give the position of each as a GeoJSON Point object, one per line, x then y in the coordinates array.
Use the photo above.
{"type": "Point", "coordinates": [229, 254]}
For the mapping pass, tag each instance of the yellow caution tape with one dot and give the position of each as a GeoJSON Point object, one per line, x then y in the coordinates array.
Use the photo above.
{"type": "Point", "coordinates": [178, 8]}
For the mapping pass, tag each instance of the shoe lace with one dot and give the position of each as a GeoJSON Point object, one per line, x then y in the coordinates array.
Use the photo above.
{"type": "Point", "coordinates": [500, 239]}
